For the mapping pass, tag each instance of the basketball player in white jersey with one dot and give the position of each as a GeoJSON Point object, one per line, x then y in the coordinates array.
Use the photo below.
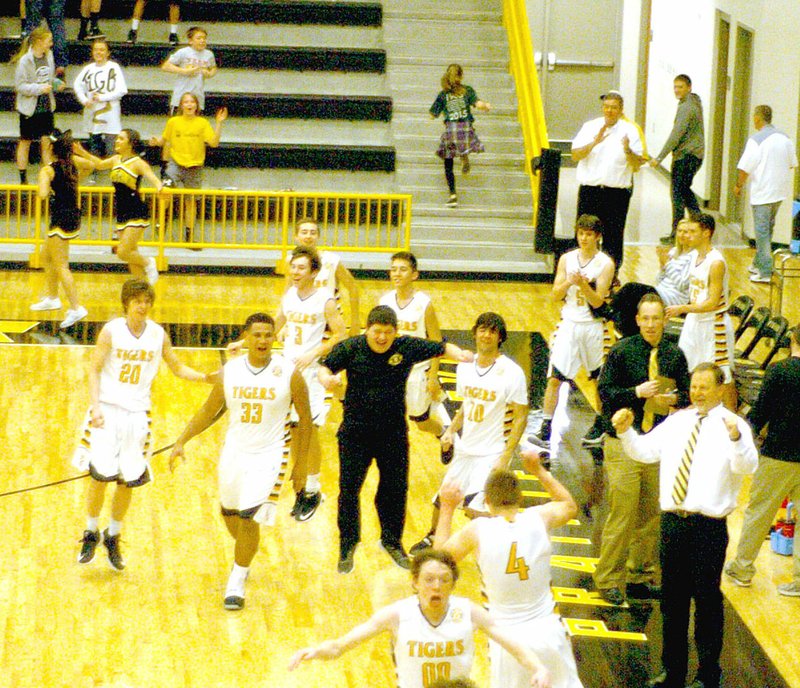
{"type": "Point", "coordinates": [513, 550]}
{"type": "Point", "coordinates": [115, 446]}
{"type": "Point", "coordinates": [306, 312]}
{"type": "Point", "coordinates": [258, 389]}
{"type": "Point", "coordinates": [431, 631]}
{"type": "Point", "coordinates": [583, 279]}
{"type": "Point", "coordinates": [492, 418]}
{"type": "Point", "coordinates": [416, 317]}
{"type": "Point", "coordinates": [332, 275]}
{"type": "Point", "coordinates": [707, 333]}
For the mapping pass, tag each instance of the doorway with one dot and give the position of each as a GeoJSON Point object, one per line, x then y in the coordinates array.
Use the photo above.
{"type": "Point", "coordinates": [719, 90]}
{"type": "Point", "coordinates": [740, 116]}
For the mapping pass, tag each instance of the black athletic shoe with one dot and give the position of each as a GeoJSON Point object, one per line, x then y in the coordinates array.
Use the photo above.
{"type": "Point", "coordinates": [541, 438]}
{"type": "Point", "coordinates": [643, 591]}
{"type": "Point", "coordinates": [425, 543]}
{"type": "Point", "coordinates": [347, 560]}
{"type": "Point", "coordinates": [447, 454]}
{"type": "Point", "coordinates": [234, 603]}
{"type": "Point", "coordinates": [89, 543]}
{"type": "Point", "coordinates": [298, 500]}
{"type": "Point", "coordinates": [612, 596]}
{"type": "Point", "coordinates": [395, 551]}
{"type": "Point", "coordinates": [308, 505]}
{"type": "Point", "coordinates": [111, 543]}
{"type": "Point", "coordinates": [594, 437]}
{"type": "Point", "coordinates": [83, 32]}
{"type": "Point", "coordinates": [95, 34]}
{"type": "Point", "coordinates": [132, 36]}
{"type": "Point", "coordinates": [173, 39]}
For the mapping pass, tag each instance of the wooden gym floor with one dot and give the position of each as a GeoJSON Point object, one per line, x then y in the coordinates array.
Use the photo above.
{"type": "Point", "coordinates": [161, 622]}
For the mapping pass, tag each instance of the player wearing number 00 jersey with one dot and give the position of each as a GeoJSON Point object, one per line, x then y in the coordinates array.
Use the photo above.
{"type": "Point", "coordinates": [115, 445]}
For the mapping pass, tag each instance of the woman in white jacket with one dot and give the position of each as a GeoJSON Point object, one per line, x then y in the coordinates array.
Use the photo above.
{"type": "Point", "coordinates": [34, 83]}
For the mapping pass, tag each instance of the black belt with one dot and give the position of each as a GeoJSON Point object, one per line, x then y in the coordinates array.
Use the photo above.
{"type": "Point", "coordinates": [682, 513]}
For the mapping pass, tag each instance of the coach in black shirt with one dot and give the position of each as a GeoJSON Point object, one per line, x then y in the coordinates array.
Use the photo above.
{"type": "Point", "coordinates": [633, 376]}
{"type": "Point", "coordinates": [374, 425]}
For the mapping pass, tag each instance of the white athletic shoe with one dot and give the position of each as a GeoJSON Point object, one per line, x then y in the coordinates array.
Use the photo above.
{"type": "Point", "coordinates": [234, 592]}
{"type": "Point", "coordinates": [47, 304]}
{"type": "Point", "coordinates": [151, 271]}
{"type": "Point", "coordinates": [73, 316]}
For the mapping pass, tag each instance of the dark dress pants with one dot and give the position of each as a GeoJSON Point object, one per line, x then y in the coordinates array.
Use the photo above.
{"type": "Point", "coordinates": [610, 204]}
{"type": "Point", "coordinates": [683, 172]}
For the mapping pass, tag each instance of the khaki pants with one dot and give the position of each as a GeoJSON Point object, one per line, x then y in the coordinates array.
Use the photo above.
{"type": "Point", "coordinates": [630, 534]}
{"type": "Point", "coordinates": [772, 481]}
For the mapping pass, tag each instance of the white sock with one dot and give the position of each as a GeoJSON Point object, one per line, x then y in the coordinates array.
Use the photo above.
{"type": "Point", "coordinates": [312, 483]}
{"type": "Point", "coordinates": [237, 580]}
{"type": "Point", "coordinates": [134, 24]}
{"type": "Point", "coordinates": [114, 527]}
{"type": "Point", "coordinates": [91, 523]}
{"type": "Point", "coordinates": [173, 28]}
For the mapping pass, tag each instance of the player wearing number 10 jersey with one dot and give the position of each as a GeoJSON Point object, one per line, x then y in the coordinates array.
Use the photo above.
{"type": "Point", "coordinates": [115, 446]}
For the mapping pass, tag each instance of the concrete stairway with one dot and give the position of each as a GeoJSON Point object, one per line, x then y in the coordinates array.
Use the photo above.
{"type": "Point", "coordinates": [491, 229]}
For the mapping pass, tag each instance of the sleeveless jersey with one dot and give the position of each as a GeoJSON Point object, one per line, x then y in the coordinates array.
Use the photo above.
{"type": "Point", "coordinates": [258, 403]}
{"type": "Point", "coordinates": [423, 653]}
{"type": "Point", "coordinates": [326, 277]}
{"type": "Point", "coordinates": [514, 560]}
{"type": "Point", "coordinates": [699, 283]}
{"type": "Point", "coordinates": [411, 317]}
{"type": "Point", "coordinates": [305, 321]}
{"type": "Point", "coordinates": [131, 366]}
{"type": "Point", "coordinates": [126, 182]}
{"type": "Point", "coordinates": [487, 395]}
{"type": "Point", "coordinates": [576, 308]}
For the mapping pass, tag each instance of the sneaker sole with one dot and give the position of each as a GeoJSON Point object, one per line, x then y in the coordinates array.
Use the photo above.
{"type": "Point", "coordinates": [789, 593]}
{"type": "Point", "coordinates": [739, 582]}
{"type": "Point", "coordinates": [233, 603]}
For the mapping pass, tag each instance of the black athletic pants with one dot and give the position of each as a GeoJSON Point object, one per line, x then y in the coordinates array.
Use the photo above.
{"type": "Point", "coordinates": [357, 448]}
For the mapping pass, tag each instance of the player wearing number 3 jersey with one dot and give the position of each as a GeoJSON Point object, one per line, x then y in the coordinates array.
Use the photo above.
{"type": "Point", "coordinates": [115, 445]}
{"type": "Point", "coordinates": [431, 631]}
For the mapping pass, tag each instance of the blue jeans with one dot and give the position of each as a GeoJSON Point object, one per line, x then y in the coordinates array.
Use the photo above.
{"type": "Point", "coordinates": [763, 224]}
{"type": "Point", "coordinates": [683, 171]}
{"type": "Point", "coordinates": [53, 12]}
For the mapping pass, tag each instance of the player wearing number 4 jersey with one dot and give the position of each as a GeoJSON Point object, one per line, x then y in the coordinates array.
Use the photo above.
{"type": "Point", "coordinates": [491, 418]}
{"type": "Point", "coordinates": [115, 446]}
{"type": "Point", "coordinates": [432, 631]}
{"type": "Point", "coordinates": [513, 553]}
{"type": "Point", "coordinates": [258, 390]}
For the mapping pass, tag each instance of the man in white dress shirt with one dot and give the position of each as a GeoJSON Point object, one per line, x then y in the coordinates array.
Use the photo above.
{"type": "Point", "coordinates": [704, 451]}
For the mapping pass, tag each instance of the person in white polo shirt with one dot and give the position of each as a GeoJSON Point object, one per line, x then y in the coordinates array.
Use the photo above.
{"type": "Point", "coordinates": [608, 150]}
{"type": "Point", "coordinates": [767, 163]}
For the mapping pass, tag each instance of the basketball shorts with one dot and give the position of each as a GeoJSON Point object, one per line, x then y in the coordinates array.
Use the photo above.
{"type": "Point", "coordinates": [316, 397]}
{"type": "Point", "coordinates": [575, 345]}
{"type": "Point", "coordinates": [708, 341]}
{"type": "Point", "coordinates": [120, 450]}
{"type": "Point", "coordinates": [418, 400]}
{"type": "Point", "coordinates": [470, 472]}
{"type": "Point", "coordinates": [548, 639]}
{"type": "Point", "coordinates": [251, 480]}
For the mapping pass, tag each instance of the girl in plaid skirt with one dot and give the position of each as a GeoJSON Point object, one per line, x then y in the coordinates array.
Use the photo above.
{"type": "Point", "coordinates": [459, 138]}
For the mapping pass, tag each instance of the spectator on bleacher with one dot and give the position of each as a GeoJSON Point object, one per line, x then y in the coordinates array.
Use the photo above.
{"type": "Point", "coordinates": [459, 139]}
{"type": "Point", "coordinates": [34, 82]}
{"type": "Point", "coordinates": [187, 135]}
{"type": "Point", "coordinates": [174, 18]}
{"type": "Point", "coordinates": [52, 11]}
{"type": "Point", "coordinates": [99, 87]}
{"type": "Point", "coordinates": [59, 182]}
{"type": "Point", "coordinates": [90, 13]}
{"type": "Point", "coordinates": [192, 65]}
{"type": "Point", "coordinates": [133, 215]}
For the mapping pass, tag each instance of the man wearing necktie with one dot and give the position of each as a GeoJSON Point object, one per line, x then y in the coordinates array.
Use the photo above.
{"type": "Point", "coordinates": [704, 451]}
{"type": "Point", "coordinates": [649, 375]}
